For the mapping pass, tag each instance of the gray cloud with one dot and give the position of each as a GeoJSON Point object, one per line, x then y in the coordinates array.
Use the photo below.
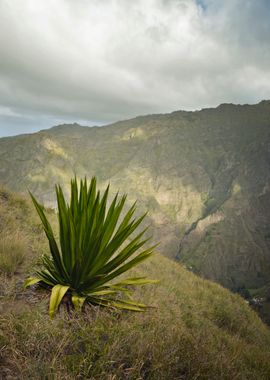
{"type": "Point", "coordinates": [99, 61]}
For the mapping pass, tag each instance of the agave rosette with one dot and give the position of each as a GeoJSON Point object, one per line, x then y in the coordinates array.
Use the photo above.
{"type": "Point", "coordinates": [95, 246]}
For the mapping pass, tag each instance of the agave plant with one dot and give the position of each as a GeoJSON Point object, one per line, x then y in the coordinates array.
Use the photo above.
{"type": "Point", "coordinates": [95, 246]}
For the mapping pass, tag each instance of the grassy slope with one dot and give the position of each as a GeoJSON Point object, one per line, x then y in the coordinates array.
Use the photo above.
{"type": "Point", "coordinates": [198, 330]}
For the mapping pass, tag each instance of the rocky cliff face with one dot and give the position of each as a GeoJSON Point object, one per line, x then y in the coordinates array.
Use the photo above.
{"type": "Point", "coordinates": [204, 176]}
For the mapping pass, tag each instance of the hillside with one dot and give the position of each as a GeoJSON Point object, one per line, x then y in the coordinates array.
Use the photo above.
{"type": "Point", "coordinates": [204, 177]}
{"type": "Point", "coordinates": [197, 330]}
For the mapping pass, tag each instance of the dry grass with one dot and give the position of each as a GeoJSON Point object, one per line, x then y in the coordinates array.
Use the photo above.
{"type": "Point", "coordinates": [197, 330]}
{"type": "Point", "coordinates": [13, 249]}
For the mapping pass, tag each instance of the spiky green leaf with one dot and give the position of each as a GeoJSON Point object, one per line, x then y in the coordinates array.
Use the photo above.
{"type": "Point", "coordinates": [78, 301]}
{"type": "Point", "coordinates": [31, 281]}
{"type": "Point", "coordinates": [58, 292]}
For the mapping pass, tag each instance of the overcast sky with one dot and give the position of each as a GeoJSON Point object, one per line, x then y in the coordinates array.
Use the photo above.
{"type": "Point", "coordinates": [98, 61]}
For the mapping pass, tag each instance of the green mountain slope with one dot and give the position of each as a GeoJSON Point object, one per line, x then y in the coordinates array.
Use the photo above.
{"type": "Point", "coordinates": [204, 177]}
{"type": "Point", "coordinates": [197, 330]}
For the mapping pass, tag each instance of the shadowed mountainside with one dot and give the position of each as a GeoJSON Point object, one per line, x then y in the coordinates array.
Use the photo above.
{"type": "Point", "coordinates": [204, 177]}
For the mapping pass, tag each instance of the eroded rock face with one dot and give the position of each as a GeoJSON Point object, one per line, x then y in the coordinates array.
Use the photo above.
{"type": "Point", "coordinates": [204, 177]}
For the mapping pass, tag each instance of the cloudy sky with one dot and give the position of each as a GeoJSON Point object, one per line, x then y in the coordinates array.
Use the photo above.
{"type": "Point", "coordinates": [98, 61]}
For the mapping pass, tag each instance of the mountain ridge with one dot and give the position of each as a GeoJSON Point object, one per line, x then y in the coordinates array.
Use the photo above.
{"type": "Point", "coordinates": [75, 124]}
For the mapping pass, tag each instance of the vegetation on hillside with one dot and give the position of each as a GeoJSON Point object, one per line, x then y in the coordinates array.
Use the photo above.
{"type": "Point", "coordinates": [198, 330]}
{"type": "Point", "coordinates": [96, 246]}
